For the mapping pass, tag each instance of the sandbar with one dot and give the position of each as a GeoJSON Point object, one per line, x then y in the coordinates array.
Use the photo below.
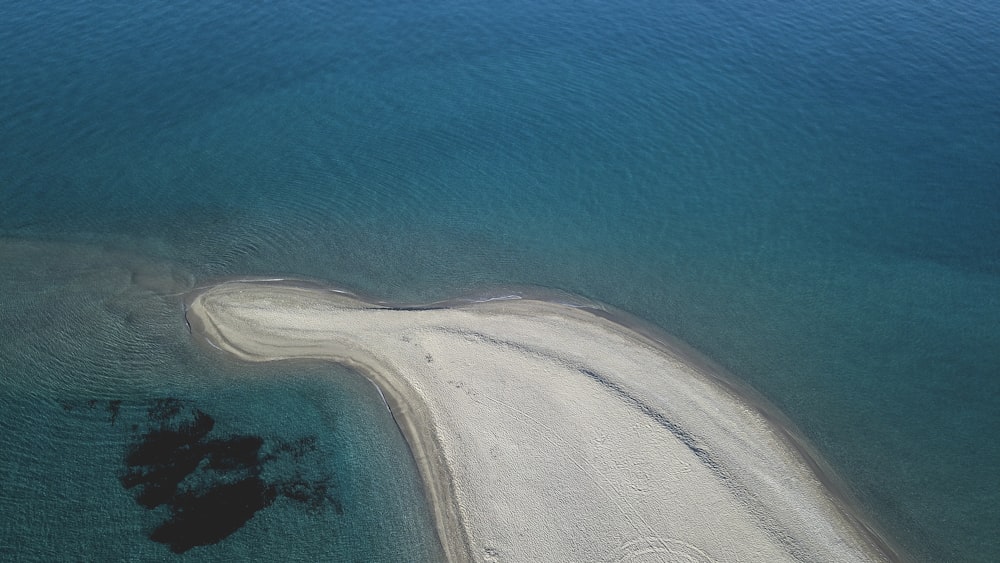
{"type": "Point", "coordinates": [545, 432]}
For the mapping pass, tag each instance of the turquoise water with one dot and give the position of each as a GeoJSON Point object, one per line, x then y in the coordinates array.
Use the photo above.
{"type": "Point", "coordinates": [809, 194]}
{"type": "Point", "coordinates": [100, 385]}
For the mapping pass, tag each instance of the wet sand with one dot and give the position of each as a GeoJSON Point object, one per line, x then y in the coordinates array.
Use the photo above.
{"type": "Point", "coordinates": [548, 432]}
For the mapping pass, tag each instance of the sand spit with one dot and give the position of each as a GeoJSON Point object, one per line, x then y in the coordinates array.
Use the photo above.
{"type": "Point", "coordinates": [544, 432]}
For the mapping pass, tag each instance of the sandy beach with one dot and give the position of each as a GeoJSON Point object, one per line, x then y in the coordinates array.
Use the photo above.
{"type": "Point", "coordinates": [546, 432]}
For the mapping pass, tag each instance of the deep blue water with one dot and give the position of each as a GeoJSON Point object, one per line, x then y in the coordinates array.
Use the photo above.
{"type": "Point", "coordinates": [808, 193]}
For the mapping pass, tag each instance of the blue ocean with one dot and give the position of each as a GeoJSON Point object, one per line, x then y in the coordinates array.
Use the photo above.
{"type": "Point", "coordinates": [808, 193]}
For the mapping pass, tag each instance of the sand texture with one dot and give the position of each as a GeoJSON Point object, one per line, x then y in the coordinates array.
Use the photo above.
{"type": "Point", "coordinates": [544, 432]}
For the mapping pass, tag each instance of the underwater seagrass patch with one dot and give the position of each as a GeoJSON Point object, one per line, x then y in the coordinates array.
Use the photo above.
{"type": "Point", "coordinates": [212, 483]}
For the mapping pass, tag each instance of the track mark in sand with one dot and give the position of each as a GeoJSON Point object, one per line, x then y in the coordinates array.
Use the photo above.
{"type": "Point", "coordinates": [668, 550]}
{"type": "Point", "coordinates": [544, 430]}
{"type": "Point", "coordinates": [685, 438]}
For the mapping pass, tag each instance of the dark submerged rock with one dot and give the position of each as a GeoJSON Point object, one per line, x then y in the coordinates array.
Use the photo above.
{"type": "Point", "coordinates": [212, 484]}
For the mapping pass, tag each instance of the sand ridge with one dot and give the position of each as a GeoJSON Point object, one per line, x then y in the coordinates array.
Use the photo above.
{"type": "Point", "coordinates": [545, 432]}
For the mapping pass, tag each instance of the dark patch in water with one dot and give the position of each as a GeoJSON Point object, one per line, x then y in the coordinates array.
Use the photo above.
{"type": "Point", "coordinates": [211, 484]}
{"type": "Point", "coordinates": [164, 458]}
{"type": "Point", "coordinates": [297, 448]}
{"type": "Point", "coordinates": [163, 410]}
{"type": "Point", "coordinates": [113, 408]}
{"type": "Point", "coordinates": [234, 454]}
{"type": "Point", "coordinates": [71, 406]}
{"type": "Point", "coordinates": [313, 494]}
{"type": "Point", "coordinates": [204, 518]}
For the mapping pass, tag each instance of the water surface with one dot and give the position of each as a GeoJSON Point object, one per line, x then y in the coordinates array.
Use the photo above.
{"type": "Point", "coordinates": [806, 193]}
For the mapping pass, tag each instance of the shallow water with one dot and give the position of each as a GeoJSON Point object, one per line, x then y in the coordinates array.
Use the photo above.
{"type": "Point", "coordinates": [122, 441]}
{"type": "Point", "coordinates": [807, 196]}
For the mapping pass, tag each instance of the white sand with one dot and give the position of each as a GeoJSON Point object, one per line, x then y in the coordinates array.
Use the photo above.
{"type": "Point", "coordinates": [547, 433]}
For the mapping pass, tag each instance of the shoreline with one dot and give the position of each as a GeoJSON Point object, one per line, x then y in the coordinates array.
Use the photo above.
{"type": "Point", "coordinates": [409, 418]}
{"type": "Point", "coordinates": [283, 319]}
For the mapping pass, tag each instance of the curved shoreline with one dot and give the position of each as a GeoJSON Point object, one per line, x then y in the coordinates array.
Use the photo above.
{"type": "Point", "coordinates": [410, 418]}
{"type": "Point", "coordinates": [268, 320]}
